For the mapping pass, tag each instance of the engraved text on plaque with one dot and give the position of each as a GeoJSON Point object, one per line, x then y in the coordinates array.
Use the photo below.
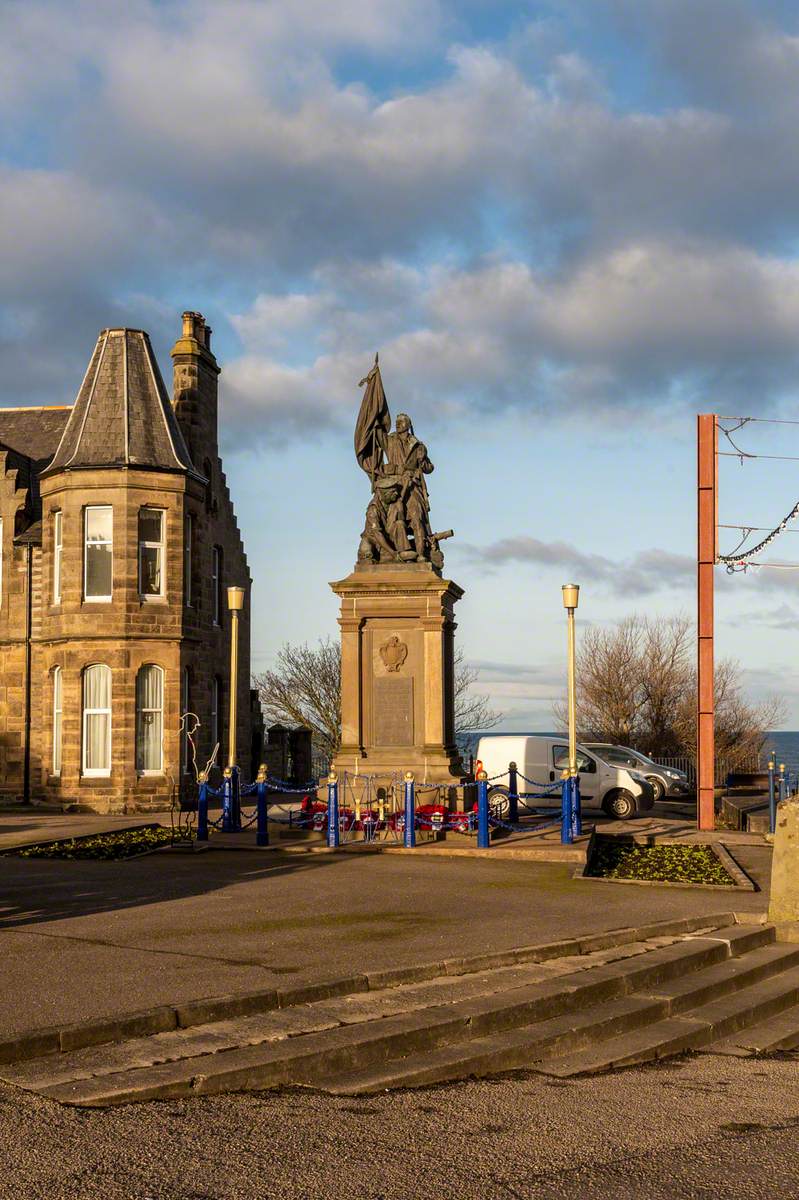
{"type": "Point", "coordinates": [393, 711]}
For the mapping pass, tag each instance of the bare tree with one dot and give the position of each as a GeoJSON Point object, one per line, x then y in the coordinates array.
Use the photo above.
{"type": "Point", "coordinates": [636, 685]}
{"type": "Point", "coordinates": [304, 688]}
{"type": "Point", "coordinates": [740, 727]}
{"type": "Point", "coordinates": [472, 709]}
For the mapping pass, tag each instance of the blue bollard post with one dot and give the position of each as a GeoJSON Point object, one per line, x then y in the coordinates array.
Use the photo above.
{"type": "Point", "coordinates": [262, 835]}
{"type": "Point", "coordinates": [772, 798]}
{"type": "Point", "coordinates": [202, 811]}
{"type": "Point", "coordinates": [235, 789]}
{"type": "Point", "coordinates": [783, 789]}
{"type": "Point", "coordinates": [333, 832]}
{"type": "Point", "coordinates": [483, 834]}
{"type": "Point", "coordinates": [576, 808]}
{"type": "Point", "coordinates": [566, 835]}
{"type": "Point", "coordinates": [227, 801]}
{"type": "Point", "coordinates": [513, 794]}
{"type": "Point", "coordinates": [410, 812]}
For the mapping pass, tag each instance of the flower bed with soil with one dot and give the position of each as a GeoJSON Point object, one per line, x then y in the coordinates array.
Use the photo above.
{"type": "Point", "coordinates": [616, 859]}
{"type": "Point", "coordinates": [123, 843]}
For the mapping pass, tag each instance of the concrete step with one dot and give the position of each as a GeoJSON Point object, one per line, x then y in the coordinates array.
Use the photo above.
{"type": "Point", "coordinates": [505, 1015]}
{"type": "Point", "coordinates": [779, 1032]}
{"type": "Point", "coordinates": [573, 1032]}
{"type": "Point", "coordinates": [696, 1029]}
{"type": "Point", "coordinates": [142, 1047]}
{"type": "Point", "coordinates": [505, 1051]}
{"type": "Point", "coordinates": [206, 1063]}
{"type": "Point", "coordinates": [731, 975]}
{"type": "Point", "coordinates": [758, 821]}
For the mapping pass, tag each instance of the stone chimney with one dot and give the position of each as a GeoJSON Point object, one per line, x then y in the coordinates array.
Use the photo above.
{"type": "Point", "coordinates": [195, 376]}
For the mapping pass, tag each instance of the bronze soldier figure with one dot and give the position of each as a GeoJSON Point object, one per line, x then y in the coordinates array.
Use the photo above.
{"type": "Point", "coordinates": [396, 464]}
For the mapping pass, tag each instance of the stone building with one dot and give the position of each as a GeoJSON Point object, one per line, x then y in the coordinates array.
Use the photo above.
{"type": "Point", "coordinates": [118, 541]}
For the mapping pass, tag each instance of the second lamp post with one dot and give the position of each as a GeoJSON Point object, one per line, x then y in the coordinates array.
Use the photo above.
{"type": "Point", "coordinates": [571, 597]}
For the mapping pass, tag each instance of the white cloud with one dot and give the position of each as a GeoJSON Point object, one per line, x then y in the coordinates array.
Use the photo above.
{"type": "Point", "coordinates": [642, 321]}
{"type": "Point", "coordinates": [643, 573]}
{"type": "Point", "coordinates": [506, 234]}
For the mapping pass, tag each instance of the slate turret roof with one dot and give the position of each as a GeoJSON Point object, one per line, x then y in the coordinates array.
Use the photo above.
{"type": "Point", "coordinates": [122, 416]}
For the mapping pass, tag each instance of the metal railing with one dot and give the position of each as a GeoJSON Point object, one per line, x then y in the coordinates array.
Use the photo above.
{"type": "Point", "coordinates": [684, 762]}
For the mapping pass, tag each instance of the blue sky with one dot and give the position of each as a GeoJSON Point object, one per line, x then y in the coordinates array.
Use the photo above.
{"type": "Point", "coordinates": [566, 226]}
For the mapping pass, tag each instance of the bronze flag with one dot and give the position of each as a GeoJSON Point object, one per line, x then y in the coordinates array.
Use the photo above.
{"type": "Point", "coordinates": [374, 423]}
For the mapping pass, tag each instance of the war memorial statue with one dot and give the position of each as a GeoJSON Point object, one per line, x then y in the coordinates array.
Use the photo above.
{"type": "Point", "coordinates": [397, 615]}
{"type": "Point", "coordinates": [397, 527]}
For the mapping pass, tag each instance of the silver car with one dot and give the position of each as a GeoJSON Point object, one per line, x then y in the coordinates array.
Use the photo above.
{"type": "Point", "coordinates": [666, 782]}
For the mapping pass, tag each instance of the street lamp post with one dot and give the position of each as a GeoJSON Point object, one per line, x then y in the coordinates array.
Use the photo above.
{"type": "Point", "coordinates": [571, 597]}
{"type": "Point", "coordinates": [235, 603]}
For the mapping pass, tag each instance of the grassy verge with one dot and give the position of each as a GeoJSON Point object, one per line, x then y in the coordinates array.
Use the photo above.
{"type": "Point", "coordinates": [615, 859]}
{"type": "Point", "coordinates": [109, 846]}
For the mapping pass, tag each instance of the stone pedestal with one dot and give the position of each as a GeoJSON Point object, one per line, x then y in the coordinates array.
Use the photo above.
{"type": "Point", "coordinates": [397, 673]}
{"type": "Point", "coordinates": [784, 898]}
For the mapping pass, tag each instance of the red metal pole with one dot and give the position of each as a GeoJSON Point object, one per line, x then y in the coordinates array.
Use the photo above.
{"type": "Point", "coordinates": [707, 519]}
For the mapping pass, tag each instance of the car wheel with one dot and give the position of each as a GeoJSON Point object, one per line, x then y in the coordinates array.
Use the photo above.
{"type": "Point", "coordinates": [657, 787]}
{"type": "Point", "coordinates": [619, 804]}
{"type": "Point", "coordinates": [499, 803]}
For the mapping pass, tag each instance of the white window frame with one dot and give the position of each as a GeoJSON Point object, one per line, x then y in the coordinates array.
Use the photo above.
{"type": "Point", "coordinates": [159, 770]}
{"type": "Point", "coordinates": [188, 538]}
{"type": "Point", "coordinates": [58, 716]}
{"type": "Point", "coordinates": [95, 772]}
{"type": "Point", "coordinates": [95, 508]}
{"type": "Point", "coordinates": [161, 547]}
{"type": "Point", "coordinates": [216, 581]}
{"type": "Point", "coordinates": [58, 546]}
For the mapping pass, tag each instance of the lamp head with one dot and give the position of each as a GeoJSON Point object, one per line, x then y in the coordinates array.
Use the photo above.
{"type": "Point", "coordinates": [235, 599]}
{"type": "Point", "coordinates": [571, 594]}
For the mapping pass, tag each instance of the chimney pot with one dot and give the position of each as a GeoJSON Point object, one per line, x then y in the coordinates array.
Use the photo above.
{"type": "Point", "coordinates": [193, 326]}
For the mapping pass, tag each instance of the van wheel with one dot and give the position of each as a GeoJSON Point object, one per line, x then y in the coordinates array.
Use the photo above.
{"type": "Point", "coordinates": [657, 787]}
{"type": "Point", "coordinates": [619, 804]}
{"type": "Point", "coordinates": [499, 802]}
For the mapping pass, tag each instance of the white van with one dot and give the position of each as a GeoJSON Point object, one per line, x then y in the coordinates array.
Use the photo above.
{"type": "Point", "coordinates": [621, 792]}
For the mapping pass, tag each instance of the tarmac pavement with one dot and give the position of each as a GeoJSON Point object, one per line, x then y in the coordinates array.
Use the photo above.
{"type": "Point", "coordinates": [82, 940]}
{"type": "Point", "coordinates": [690, 1129]}
{"type": "Point", "coordinates": [88, 939]}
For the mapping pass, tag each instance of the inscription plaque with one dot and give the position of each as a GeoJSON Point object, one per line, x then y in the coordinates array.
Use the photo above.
{"type": "Point", "coordinates": [393, 711]}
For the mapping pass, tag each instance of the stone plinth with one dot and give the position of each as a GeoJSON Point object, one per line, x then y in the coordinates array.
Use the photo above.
{"type": "Point", "coordinates": [784, 897]}
{"type": "Point", "coordinates": [397, 673]}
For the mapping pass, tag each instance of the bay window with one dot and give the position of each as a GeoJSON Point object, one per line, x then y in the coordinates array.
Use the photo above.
{"type": "Point", "coordinates": [188, 538]}
{"type": "Point", "coordinates": [57, 546]}
{"type": "Point", "coordinates": [98, 552]}
{"type": "Point", "coordinates": [57, 714]}
{"type": "Point", "coordinates": [149, 719]}
{"type": "Point", "coordinates": [151, 552]}
{"type": "Point", "coordinates": [97, 720]}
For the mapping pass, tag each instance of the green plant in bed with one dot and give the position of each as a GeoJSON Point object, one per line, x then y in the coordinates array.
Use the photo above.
{"type": "Point", "coordinates": [110, 846]}
{"type": "Point", "coordinates": [615, 859]}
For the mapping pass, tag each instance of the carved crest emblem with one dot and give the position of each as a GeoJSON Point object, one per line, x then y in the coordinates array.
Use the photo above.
{"type": "Point", "coordinates": [393, 653]}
